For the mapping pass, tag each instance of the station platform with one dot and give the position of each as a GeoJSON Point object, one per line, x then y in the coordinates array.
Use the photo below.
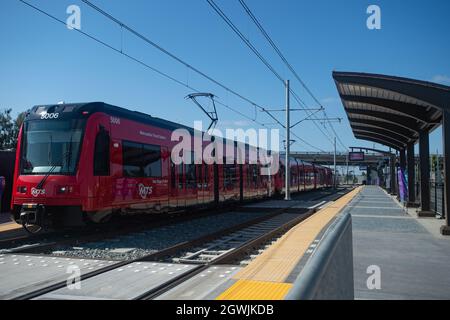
{"type": "Point", "coordinates": [8, 228]}
{"type": "Point", "coordinates": [413, 258]}
{"type": "Point", "coordinates": [271, 275]}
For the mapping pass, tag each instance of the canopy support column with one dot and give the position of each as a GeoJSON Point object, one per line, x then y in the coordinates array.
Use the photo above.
{"type": "Point", "coordinates": [445, 229]}
{"type": "Point", "coordinates": [392, 172]}
{"type": "Point", "coordinates": [411, 176]}
{"type": "Point", "coordinates": [424, 153]}
{"type": "Point", "coordinates": [403, 159]}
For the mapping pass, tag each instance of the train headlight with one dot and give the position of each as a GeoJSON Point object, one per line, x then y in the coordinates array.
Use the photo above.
{"type": "Point", "coordinates": [22, 189]}
{"type": "Point", "coordinates": [62, 189]}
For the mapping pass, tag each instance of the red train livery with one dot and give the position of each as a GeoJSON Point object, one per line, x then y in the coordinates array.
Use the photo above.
{"type": "Point", "coordinates": [84, 162]}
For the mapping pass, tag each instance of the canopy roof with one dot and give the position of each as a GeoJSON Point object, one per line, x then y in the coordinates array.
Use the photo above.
{"type": "Point", "coordinates": [391, 110]}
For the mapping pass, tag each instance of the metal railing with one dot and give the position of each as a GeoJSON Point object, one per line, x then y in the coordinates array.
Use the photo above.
{"type": "Point", "coordinates": [437, 198]}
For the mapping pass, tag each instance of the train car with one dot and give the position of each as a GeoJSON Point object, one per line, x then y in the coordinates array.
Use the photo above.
{"type": "Point", "coordinates": [79, 163]}
{"type": "Point", "coordinates": [304, 176]}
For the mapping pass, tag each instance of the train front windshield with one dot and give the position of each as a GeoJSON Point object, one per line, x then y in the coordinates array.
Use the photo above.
{"type": "Point", "coordinates": [51, 146]}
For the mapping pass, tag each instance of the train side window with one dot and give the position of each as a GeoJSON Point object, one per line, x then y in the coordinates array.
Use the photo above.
{"type": "Point", "coordinates": [141, 160]}
{"type": "Point", "coordinates": [200, 176]}
{"type": "Point", "coordinates": [132, 159]}
{"type": "Point", "coordinates": [229, 175]}
{"type": "Point", "coordinates": [191, 173]}
{"type": "Point", "coordinates": [255, 175]}
{"type": "Point", "coordinates": [172, 175]}
{"type": "Point", "coordinates": [151, 160]}
{"type": "Point", "coordinates": [180, 176]}
{"type": "Point", "coordinates": [101, 153]}
{"type": "Point", "coordinates": [190, 176]}
{"type": "Point", "coordinates": [206, 176]}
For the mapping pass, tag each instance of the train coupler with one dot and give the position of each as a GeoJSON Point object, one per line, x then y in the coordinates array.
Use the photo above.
{"type": "Point", "coordinates": [32, 217]}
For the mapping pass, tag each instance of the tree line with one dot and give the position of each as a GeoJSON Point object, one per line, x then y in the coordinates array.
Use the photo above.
{"type": "Point", "coordinates": [9, 128]}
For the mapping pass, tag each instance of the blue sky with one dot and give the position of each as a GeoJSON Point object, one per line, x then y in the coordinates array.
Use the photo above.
{"type": "Point", "coordinates": [43, 62]}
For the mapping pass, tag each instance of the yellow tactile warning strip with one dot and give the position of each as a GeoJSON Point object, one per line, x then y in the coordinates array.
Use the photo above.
{"type": "Point", "coordinates": [255, 290]}
{"type": "Point", "coordinates": [9, 226]}
{"type": "Point", "coordinates": [276, 263]}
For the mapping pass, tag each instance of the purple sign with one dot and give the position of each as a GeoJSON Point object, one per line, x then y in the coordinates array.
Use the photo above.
{"type": "Point", "coordinates": [356, 156]}
{"type": "Point", "coordinates": [401, 185]}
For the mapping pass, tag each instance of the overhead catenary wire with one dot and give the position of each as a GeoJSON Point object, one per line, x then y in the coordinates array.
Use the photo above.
{"type": "Point", "coordinates": [163, 74]}
{"type": "Point", "coordinates": [144, 64]}
{"type": "Point", "coordinates": [139, 35]}
{"type": "Point", "coordinates": [176, 58]}
{"type": "Point", "coordinates": [228, 21]}
{"type": "Point", "coordinates": [286, 62]}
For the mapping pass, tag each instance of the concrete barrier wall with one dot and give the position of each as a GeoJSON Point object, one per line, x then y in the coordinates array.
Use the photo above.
{"type": "Point", "coordinates": [7, 159]}
{"type": "Point", "coordinates": [328, 274]}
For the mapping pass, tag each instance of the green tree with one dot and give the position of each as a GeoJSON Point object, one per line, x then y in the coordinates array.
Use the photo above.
{"type": "Point", "coordinates": [9, 128]}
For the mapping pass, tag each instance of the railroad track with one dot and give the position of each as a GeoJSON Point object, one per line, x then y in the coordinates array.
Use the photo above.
{"type": "Point", "coordinates": [220, 247]}
{"type": "Point", "coordinates": [121, 226]}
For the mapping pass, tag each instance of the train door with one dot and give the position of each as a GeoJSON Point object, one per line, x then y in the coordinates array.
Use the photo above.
{"type": "Point", "coordinates": [191, 183]}
{"type": "Point", "coordinates": [200, 184]}
{"type": "Point", "coordinates": [102, 167]}
{"type": "Point", "coordinates": [315, 176]}
{"type": "Point", "coordinates": [216, 183]}
{"type": "Point", "coordinates": [208, 184]}
{"type": "Point", "coordinates": [173, 186]}
{"type": "Point", "coordinates": [241, 183]}
{"type": "Point", "coordinates": [181, 186]}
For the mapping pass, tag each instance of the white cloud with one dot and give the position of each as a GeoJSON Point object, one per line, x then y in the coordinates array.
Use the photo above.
{"type": "Point", "coordinates": [439, 78]}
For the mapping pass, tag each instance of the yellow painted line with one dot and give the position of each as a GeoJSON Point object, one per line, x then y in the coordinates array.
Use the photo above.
{"type": "Point", "coordinates": [277, 262]}
{"type": "Point", "coordinates": [255, 290]}
{"type": "Point", "coordinates": [9, 226]}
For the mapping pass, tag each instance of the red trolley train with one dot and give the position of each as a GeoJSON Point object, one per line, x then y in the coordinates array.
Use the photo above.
{"type": "Point", "coordinates": [84, 162]}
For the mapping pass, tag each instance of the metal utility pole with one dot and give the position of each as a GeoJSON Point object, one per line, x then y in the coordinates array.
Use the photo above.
{"type": "Point", "coordinates": [335, 174]}
{"type": "Point", "coordinates": [346, 177]}
{"type": "Point", "coordinates": [288, 146]}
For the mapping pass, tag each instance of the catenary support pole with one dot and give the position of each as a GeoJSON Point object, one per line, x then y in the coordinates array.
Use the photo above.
{"type": "Point", "coordinates": [288, 145]}
{"type": "Point", "coordinates": [334, 159]}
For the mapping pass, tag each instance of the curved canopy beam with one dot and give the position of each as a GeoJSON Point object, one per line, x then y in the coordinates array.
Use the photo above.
{"type": "Point", "coordinates": [372, 139]}
{"type": "Point", "coordinates": [405, 122]}
{"type": "Point", "coordinates": [382, 137]}
{"type": "Point", "coordinates": [416, 112]}
{"type": "Point", "coordinates": [383, 132]}
{"type": "Point", "coordinates": [407, 133]}
{"type": "Point", "coordinates": [432, 93]}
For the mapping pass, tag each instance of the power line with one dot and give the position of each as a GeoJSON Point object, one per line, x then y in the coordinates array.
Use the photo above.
{"type": "Point", "coordinates": [259, 55]}
{"type": "Point", "coordinates": [266, 35]}
{"type": "Point", "coordinates": [163, 74]}
{"type": "Point", "coordinates": [220, 12]}
{"type": "Point", "coordinates": [176, 58]}
{"type": "Point", "coordinates": [283, 58]}
{"type": "Point", "coordinates": [240, 35]}
{"type": "Point", "coordinates": [137, 60]}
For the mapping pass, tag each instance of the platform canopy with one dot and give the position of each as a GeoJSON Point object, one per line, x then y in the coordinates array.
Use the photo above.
{"type": "Point", "coordinates": [391, 110]}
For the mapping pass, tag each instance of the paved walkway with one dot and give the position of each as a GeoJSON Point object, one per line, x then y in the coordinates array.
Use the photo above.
{"type": "Point", "coordinates": [414, 262]}
{"type": "Point", "coordinates": [270, 275]}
